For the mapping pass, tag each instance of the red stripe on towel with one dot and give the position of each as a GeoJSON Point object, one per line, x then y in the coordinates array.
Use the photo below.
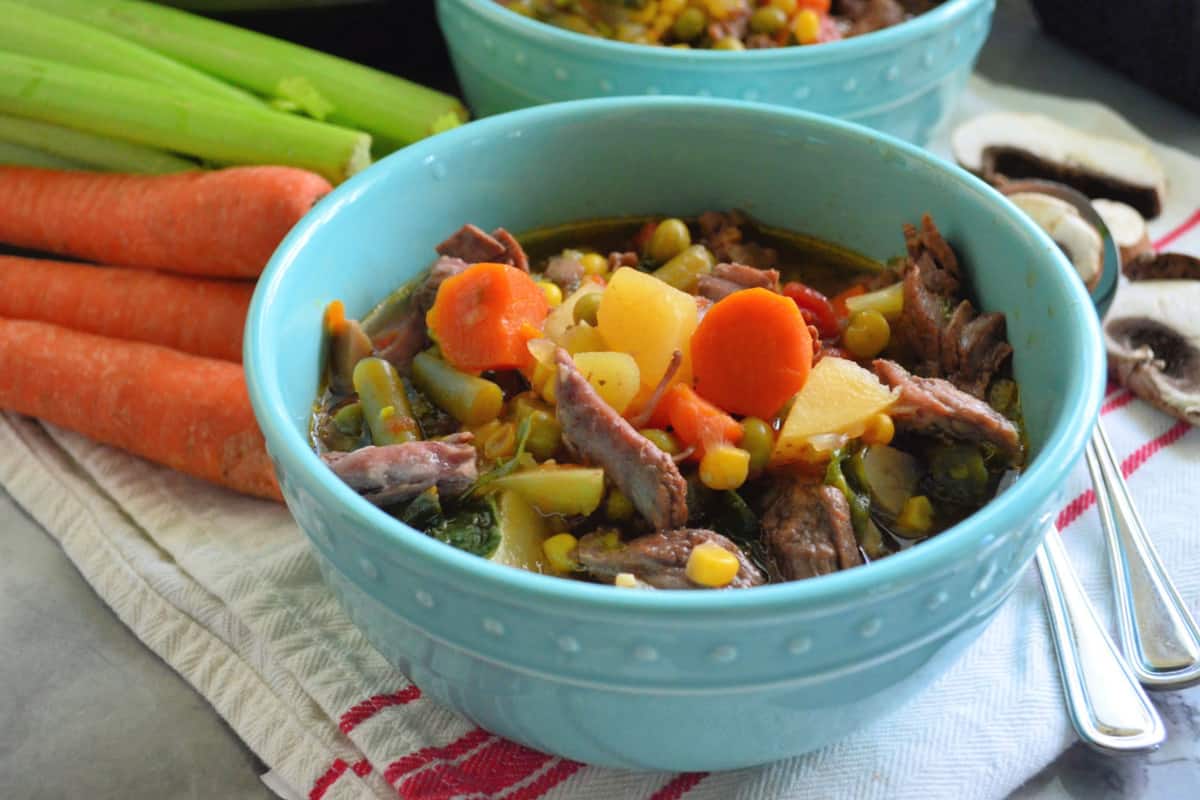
{"type": "Point", "coordinates": [546, 781]}
{"type": "Point", "coordinates": [1116, 400]}
{"type": "Point", "coordinates": [370, 707]}
{"type": "Point", "coordinates": [1074, 509]}
{"type": "Point", "coordinates": [677, 788]}
{"type": "Point", "coordinates": [1187, 225]}
{"type": "Point", "coordinates": [328, 779]}
{"type": "Point", "coordinates": [486, 773]}
{"type": "Point", "coordinates": [414, 761]}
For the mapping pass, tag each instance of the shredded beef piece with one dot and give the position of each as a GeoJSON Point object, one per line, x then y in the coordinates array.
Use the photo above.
{"type": "Point", "coordinates": [936, 406]}
{"type": "Point", "coordinates": [643, 473]}
{"type": "Point", "coordinates": [397, 472]}
{"type": "Point", "coordinates": [400, 342]}
{"type": "Point", "coordinates": [807, 529]}
{"type": "Point", "coordinates": [722, 234]}
{"type": "Point", "coordinates": [617, 259]}
{"type": "Point", "coordinates": [660, 559]}
{"type": "Point", "coordinates": [726, 279]}
{"type": "Point", "coordinates": [867, 16]}
{"type": "Point", "coordinates": [945, 333]}
{"type": "Point", "coordinates": [472, 245]}
{"type": "Point", "coordinates": [566, 272]}
{"type": "Point", "coordinates": [513, 252]}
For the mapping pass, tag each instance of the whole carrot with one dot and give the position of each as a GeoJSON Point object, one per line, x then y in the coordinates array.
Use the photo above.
{"type": "Point", "coordinates": [220, 224]}
{"type": "Point", "coordinates": [189, 413]}
{"type": "Point", "coordinates": [196, 315]}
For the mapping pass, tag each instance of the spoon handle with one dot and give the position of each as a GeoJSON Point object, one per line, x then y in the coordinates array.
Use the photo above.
{"type": "Point", "coordinates": [1107, 706]}
{"type": "Point", "coordinates": [1158, 634]}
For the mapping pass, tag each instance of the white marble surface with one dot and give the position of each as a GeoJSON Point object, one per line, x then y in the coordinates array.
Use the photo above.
{"type": "Point", "coordinates": [87, 711]}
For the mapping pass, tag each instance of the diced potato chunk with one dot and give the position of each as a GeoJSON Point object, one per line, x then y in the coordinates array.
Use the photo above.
{"type": "Point", "coordinates": [614, 376]}
{"type": "Point", "coordinates": [562, 316]}
{"type": "Point", "coordinates": [839, 398]}
{"type": "Point", "coordinates": [522, 531]}
{"type": "Point", "coordinates": [557, 490]}
{"type": "Point", "coordinates": [644, 317]}
{"type": "Point", "coordinates": [583, 338]}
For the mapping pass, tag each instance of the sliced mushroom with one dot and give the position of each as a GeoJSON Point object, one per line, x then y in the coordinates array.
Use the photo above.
{"type": "Point", "coordinates": [1163, 266]}
{"type": "Point", "coordinates": [1081, 242]}
{"type": "Point", "coordinates": [1007, 145]}
{"type": "Point", "coordinates": [1153, 338]}
{"type": "Point", "coordinates": [1127, 226]}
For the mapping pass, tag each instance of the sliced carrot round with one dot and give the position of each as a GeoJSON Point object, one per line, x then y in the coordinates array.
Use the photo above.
{"type": "Point", "coordinates": [751, 353]}
{"type": "Point", "coordinates": [484, 316]}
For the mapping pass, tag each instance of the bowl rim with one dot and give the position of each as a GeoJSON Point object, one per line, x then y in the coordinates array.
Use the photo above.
{"type": "Point", "coordinates": [290, 448]}
{"type": "Point", "coordinates": [948, 13]}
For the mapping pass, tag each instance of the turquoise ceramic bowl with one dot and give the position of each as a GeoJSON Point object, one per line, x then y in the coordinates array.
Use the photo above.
{"type": "Point", "coordinates": [902, 80]}
{"type": "Point", "coordinates": [667, 680]}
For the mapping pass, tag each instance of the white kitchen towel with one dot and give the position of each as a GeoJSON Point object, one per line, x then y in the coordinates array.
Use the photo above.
{"type": "Point", "coordinates": [225, 590]}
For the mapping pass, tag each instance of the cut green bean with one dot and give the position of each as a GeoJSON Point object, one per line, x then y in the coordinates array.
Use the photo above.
{"type": "Point", "coordinates": [469, 399]}
{"type": "Point", "coordinates": [175, 119]}
{"type": "Point", "coordinates": [18, 155]}
{"type": "Point", "coordinates": [545, 432]}
{"type": "Point", "coordinates": [89, 150]}
{"type": "Point", "coordinates": [384, 402]}
{"type": "Point", "coordinates": [396, 110]}
{"type": "Point", "coordinates": [31, 31]}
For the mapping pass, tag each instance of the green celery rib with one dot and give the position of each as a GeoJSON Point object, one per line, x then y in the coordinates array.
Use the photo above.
{"type": "Point", "coordinates": [89, 149]}
{"type": "Point", "coordinates": [33, 32]}
{"type": "Point", "coordinates": [389, 107]}
{"type": "Point", "coordinates": [176, 120]}
{"type": "Point", "coordinates": [20, 155]}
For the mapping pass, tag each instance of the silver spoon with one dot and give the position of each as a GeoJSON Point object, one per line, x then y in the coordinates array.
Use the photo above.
{"type": "Point", "coordinates": [1158, 634]}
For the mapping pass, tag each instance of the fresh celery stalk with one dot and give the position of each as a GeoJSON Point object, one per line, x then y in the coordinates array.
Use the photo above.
{"type": "Point", "coordinates": [389, 107]}
{"type": "Point", "coordinates": [33, 32]}
{"type": "Point", "coordinates": [176, 120]}
{"type": "Point", "coordinates": [89, 150]}
{"type": "Point", "coordinates": [20, 155]}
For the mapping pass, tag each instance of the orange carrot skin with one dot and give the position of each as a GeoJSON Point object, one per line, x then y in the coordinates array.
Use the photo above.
{"type": "Point", "coordinates": [484, 317]}
{"type": "Point", "coordinates": [196, 315]}
{"type": "Point", "coordinates": [189, 413]}
{"type": "Point", "coordinates": [221, 224]}
{"type": "Point", "coordinates": [751, 353]}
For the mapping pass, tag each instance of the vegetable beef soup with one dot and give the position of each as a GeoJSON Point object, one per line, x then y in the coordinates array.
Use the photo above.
{"type": "Point", "coordinates": [722, 24]}
{"type": "Point", "coordinates": [673, 403]}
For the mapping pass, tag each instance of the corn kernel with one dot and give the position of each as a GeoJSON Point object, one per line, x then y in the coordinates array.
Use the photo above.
{"type": "Point", "coordinates": [594, 264]}
{"type": "Point", "coordinates": [553, 293]}
{"type": "Point", "coordinates": [879, 430]}
{"type": "Point", "coordinates": [626, 580]}
{"type": "Point", "coordinates": [724, 467]}
{"type": "Point", "coordinates": [807, 26]}
{"type": "Point", "coordinates": [916, 516]}
{"type": "Point", "coordinates": [711, 565]}
{"type": "Point", "coordinates": [558, 550]}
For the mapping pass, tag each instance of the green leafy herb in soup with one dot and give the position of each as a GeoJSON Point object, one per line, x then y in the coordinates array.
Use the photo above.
{"type": "Point", "coordinates": [722, 24]}
{"type": "Point", "coordinates": [673, 403]}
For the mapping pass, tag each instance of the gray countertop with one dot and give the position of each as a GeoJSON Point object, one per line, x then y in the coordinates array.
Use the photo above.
{"type": "Point", "coordinates": [88, 711]}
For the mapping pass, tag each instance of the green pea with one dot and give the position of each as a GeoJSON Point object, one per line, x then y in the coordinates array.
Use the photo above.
{"type": "Point", "coordinates": [671, 237]}
{"type": "Point", "coordinates": [662, 440]}
{"type": "Point", "coordinates": [617, 507]}
{"type": "Point", "coordinates": [689, 24]}
{"type": "Point", "coordinates": [758, 439]}
{"type": "Point", "coordinates": [768, 19]}
{"type": "Point", "coordinates": [587, 307]}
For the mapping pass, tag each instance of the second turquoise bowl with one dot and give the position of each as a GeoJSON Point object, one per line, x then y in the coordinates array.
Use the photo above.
{"type": "Point", "coordinates": [902, 80]}
{"type": "Point", "coordinates": [684, 680]}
